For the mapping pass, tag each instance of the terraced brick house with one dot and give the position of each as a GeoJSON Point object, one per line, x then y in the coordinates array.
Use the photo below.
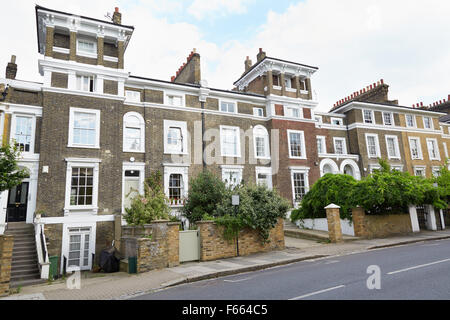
{"type": "Point", "coordinates": [91, 133]}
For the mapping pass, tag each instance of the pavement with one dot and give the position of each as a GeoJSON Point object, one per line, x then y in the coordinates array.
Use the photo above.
{"type": "Point", "coordinates": [120, 285]}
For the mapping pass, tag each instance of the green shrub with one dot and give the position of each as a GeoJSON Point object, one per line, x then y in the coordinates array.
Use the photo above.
{"type": "Point", "coordinates": [443, 181]}
{"type": "Point", "coordinates": [150, 206]}
{"type": "Point", "coordinates": [387, 191]}
{"type": "Point", "coordinates": [259, 209]}
{"type": "Point", "coordinates": [205, 192]}
{"type": "Point", "coordinates": [331, 188]}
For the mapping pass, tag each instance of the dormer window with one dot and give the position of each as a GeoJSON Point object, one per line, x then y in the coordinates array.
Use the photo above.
{"type": "Point", "coordinates": [86, 83]}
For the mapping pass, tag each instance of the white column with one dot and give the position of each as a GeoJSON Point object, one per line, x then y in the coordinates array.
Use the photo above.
{"type": "Point", "coordinates": [100, 83]}
{"type": "Point", "coordinates": [72, 82]}
{"type": "Point", "coordinates": [431, 219]}
{"type": "Point", "coordinates": [47, 78]}
{"type": "Point", "coordinates": [3, 207]}
{"type": "Point", "coordinates": [121, 88]}
{"type": "Point", "coordinates": [441, 214]}
{"type": "Point", "coordinates": [414, 219]}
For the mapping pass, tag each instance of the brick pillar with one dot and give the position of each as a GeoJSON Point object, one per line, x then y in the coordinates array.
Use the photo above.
{"type": "Point", "coordinates": [173, 244]}
{"type": "Point", "coordinates": [269, 83]}
{"type": "Point", "coordinates": [297, 85]}
{"type": "Point", "coordinates": [73, 46]}
{"type": "Point", "coordinates": [282, 85]}
{"type": "Point", "coordinates": [49, 41]}
{"type": "Point", "coordinates": [414, 220]}
{"type": "Point", "coordinates": [206, 240]}
{"type": "Point", "coordinates": [308, 87]}
{"type": "Point", "coordinates": [121, 49]}
{"type": "Point", "coordinates": [100, 51]}
{"type": "Point", "coordinates": [6, 249]}
{"type": "Point", "coordinates": [117, 230]}
{"type": "Point", "coordinates": [359, 225]}
{"type": "Point", "coordinates": [334, 223]}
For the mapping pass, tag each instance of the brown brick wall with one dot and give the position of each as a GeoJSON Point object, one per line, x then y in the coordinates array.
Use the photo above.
{"type": "Point", "coordinates": [155, 96]}
{"type": "Point", "coordinates": [60, 80]}
{"type": "Point", "coordinates": [62, 40]}
{"type": "Point", "coordinates": [6, 250]}
{"type": "Point", "coordinates": [111, 87]}
{"type": "Point", "coordinates": [213, 245]}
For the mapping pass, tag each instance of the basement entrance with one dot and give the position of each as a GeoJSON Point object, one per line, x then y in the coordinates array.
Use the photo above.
{"type": "Point", "coordinates": [422, 217]}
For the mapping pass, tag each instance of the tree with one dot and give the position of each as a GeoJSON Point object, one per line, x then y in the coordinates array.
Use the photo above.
{"type": "Point", "coordinates": [443, 181]}
{"type": "Point", "coordinates": [331, 188]}
{"type": "Point", "coordinates": [10, 173]}
{"type": "Point", "coordinates": [205, 192]}
{"type": "Point", "coordinates": [150, 206]}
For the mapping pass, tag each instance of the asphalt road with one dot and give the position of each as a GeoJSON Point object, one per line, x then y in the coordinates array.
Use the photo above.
{"type": "Point", "coordinates": [416, 271]}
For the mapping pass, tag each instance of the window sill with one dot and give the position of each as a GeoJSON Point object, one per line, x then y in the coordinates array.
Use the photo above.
{"type": "Point", "coordinates": [297, 158]}
{"type": "Point", "coordinates": [230, 156]}
{"type": "Point", "coordinates": [133, 151]}
{"type": "Point", "coordinates": [277, 87]}
{"type": "Point", "coordinates": [291, 89]}
{"type": "Point", "coordinates": [83, 147]}
{"type": "Point", "coordinates": [263, 158]}
{"type": "Point", "coordinates": [176, 152]}
{"type": "Point", "coordinates": [87, 55]}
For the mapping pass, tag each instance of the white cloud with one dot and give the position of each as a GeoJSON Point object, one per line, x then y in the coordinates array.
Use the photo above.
{"type": "Point", "coordinates": [211, 8]}
{"type": "Point", "coordinates": [354, 43]}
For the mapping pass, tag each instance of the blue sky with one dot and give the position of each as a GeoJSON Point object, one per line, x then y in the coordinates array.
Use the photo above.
{"type": "Point", "coordinates": [353, 42]}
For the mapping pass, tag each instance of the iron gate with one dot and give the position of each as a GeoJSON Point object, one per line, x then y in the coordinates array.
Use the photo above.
{"type": "Point", "coordinates": [422, 217]}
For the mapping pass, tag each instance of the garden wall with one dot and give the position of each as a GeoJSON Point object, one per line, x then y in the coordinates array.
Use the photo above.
{"type": "Point", "coordinates": [213, 245]}
{"type": "Point", "coordinates": [155, 245]}
{"type": "Point", "coordinates": [379, 226]}
{"type": "Point", "coordinates": [322, 225]}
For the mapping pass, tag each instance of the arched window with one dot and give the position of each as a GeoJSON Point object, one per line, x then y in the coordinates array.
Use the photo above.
{"type": "Point", "coordinates": [133, 132]}
{"type": "Point", "coordinates": [261, 142]}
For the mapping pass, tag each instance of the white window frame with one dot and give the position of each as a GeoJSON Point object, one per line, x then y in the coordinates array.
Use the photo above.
{"type": "Point", "coordinates": [323, 144]}
{"type": "Point", "coordinates": [13, 129]}
{"type": "Point", "coordinates": [431, 123]}
{"type": "Point", "coordinates": [140, 126]}
{"type": "Point", "coordinates": [374, 167]}
{"type": "Point", "coordinates": [227, 169]}
{"type": "Point", "coordinates": [287, 82]}
{"type": "Point", "coordinates": [396, 147]}
{"type": "Point", "coordinates": [377, 145]}
{"type": "Point", "coordinates": [372, 116]}
{"type": "Point", "coordinates": [445, 149]}
{"type": "Point", "coordinates": [71, 144]}
{"type": "Point", "coordinates": [258, 112]}
{"type": "Point", "coordinates": [183, 127]}
{"type": "Point", "coordinates": [419, 148]}
{"type": "Point", "coordinates": [423, 168]}
{"type": "Point", "coordinates": [265, 135]}
{"type": "Point", "coordinates": [168, 94]}
{"type": "Point", "coordinates": [398, 167]}
{"type": "Point", "coordinates": [341, 122]}
{"type": "Point", "coordinates": [132, 96]}
{"type": "Point", "coordinates": [301, 170]}
{"type": "Point", "coordinates": [436, 145]}
{"type": "Point", "coordinates": [227, 102]}
{"type": "Point", "coordinates": [176, 168]}
{"type": "Point", "coordinates": [80, 79]}
{"type": "Point", "coordinates": [344, 145]}
{"type": "Point", "coordinates": [82, 163]}
{"type": "Point", "coordinates": [288, 113]}
{"type": "Point", "coordinates": [238, 141]}
{"type": "Point", "coordinates": [267, 171]}
{"type": "Point", "coordinates": [303, 146]}
{"type": "Point", "coordinates": [391, 117]}
{"type": "Point", "coordinates": [413, 119]}
{"type": "Point", "coordinates": [318, 119]}
{"type": "Point", "coordinates": [435, 171]}
{"type": "Point", "coordinates": [85, 53]}
{"type": "Point", "coordinates": [135, 166]}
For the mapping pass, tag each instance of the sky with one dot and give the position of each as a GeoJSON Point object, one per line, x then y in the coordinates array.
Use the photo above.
{"type": "Point", "coordinates": [354, 43]}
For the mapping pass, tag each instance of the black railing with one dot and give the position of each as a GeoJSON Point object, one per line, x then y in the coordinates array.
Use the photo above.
{"type": "Point", "coordinates": [64, 265]}
{"type": "Point", "coordinates": [44, 250]}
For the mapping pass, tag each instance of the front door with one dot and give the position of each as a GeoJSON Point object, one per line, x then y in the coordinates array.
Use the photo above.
{"type": "Point", "coordinates": [17, 203]}
{"type": "Point", "coordinates": [79, 249]}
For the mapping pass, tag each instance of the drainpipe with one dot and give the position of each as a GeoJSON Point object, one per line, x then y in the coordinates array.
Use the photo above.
{"type": "Point", "coordinates": [203, 138]}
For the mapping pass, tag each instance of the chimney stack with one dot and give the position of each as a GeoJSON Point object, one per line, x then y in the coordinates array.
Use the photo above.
{"type": "Point", "coordinates": [11, 69]}
{"type": "Point", "coordinates": [117, 16]}
{"type": "Point", "coordinates": [261, 55]}
{"type": "Point", "coordinates": [248, 64]}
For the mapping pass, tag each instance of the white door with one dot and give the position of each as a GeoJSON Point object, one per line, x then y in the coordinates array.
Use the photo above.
{"type": "Point", "coordinates": [79, 249]}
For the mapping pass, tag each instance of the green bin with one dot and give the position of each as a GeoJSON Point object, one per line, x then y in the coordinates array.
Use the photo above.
{"type": "Point", "coordinates": [53, 271]}
{"type": "Point", "coordinates": [132, 264]}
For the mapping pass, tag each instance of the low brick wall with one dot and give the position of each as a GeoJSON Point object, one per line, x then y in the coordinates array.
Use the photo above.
{"type": "Point", "coordinates": [213, 246]}
{"type": "Point", "coordinates": [6, 249]}
{"type": "Point", "coordinates": [380, 226]}
{"type": "Point", "coordinates": [159, 251]}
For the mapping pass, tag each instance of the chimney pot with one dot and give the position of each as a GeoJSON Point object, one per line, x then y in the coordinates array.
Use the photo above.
{"type": "Point", "coordinates": [421, 104]}
{"type": "Point", "coordinates": [260, 50]}
{"type": "Point", "coordinates": [13, 59]}
{"type": "Point", "coordinates": [382, 81]}
{"type": "Point", "coordinates": [116, 9]}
